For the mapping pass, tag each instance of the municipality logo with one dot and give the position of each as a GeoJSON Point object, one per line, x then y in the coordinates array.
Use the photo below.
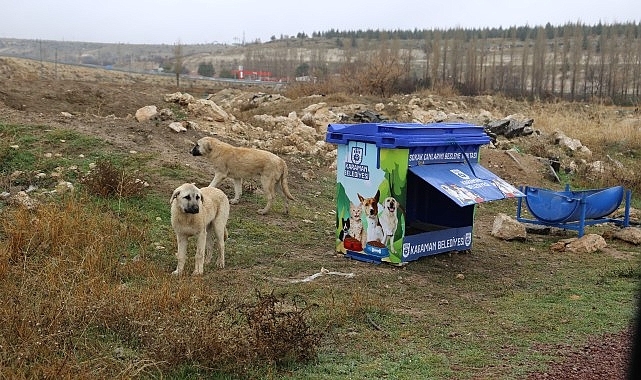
{"type": "Point", "coordinates": [406, 249]}
{"type": "Point", "coordinates": [357, 155]}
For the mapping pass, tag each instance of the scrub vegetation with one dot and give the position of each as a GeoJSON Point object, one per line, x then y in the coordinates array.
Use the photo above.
{"type": "Point", "coordinates": [87, 292]}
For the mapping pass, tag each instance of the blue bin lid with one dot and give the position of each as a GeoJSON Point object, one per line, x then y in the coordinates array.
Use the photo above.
{"type": "Point", "coordinates": [406, 135]}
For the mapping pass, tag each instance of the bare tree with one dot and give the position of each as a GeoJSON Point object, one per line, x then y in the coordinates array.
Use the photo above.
{"type": "Point", "coordinates": [485, 48]}
{"type": "Point", "coordinates": [628, 61]}
{"type": "Point", "coordinates": [587, 69]}
{"type": "Point", "coordinates": [555, 56]}
{"type": "Point", "coordinates": [384, 71]}
{"type": "Point", "coordinates": [636, 71]}
{"type": "Point", "coordinates": [603, 51]}
{"type": "Point", "coordinates": [525, 77]}
{"type": "Point", "coordinates": [492, 74]}
{"type": "Point", "coordinates": [564, 56]}
{"type": "Point", "coordinates": [538, 62]}
{"type": "Point", "coordinates": [445, 50]}
{"type": "Point", "coordinates": [575, 57]}
{"type": "Point", "coordinates": [511, 64]}
{"type": "Point", "coordinates": [501, 76]}
{"type": "Point", "coordinates": [436, 57]}
{"type": "Point", "coordinates": [456, 62]}
{"type": "Point", "coordinates": [613, 62]}
{"type": "Point", "coordinates": [178, 59]}
{"type": "Point", "coordinates": [471, 69]}
{"type": "Point", "coordinates": [427, 49]}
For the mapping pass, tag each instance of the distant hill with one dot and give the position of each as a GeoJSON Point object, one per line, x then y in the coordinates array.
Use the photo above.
{"type": "Point", "coordinates": [572, 61]}
{"type": "Point", "coordinates": [136, 57]}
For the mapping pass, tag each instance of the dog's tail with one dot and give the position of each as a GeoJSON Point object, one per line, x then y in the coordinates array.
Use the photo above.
{"type": "Point", "coordinates": [283, 182]}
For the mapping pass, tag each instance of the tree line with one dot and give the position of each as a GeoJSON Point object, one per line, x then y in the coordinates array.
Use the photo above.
{"type": "Point", "coordinates": [573, 61]}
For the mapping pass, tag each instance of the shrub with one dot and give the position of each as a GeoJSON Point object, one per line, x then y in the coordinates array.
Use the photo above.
{"type": "Point", "coordinates": [280, 334]}
{"type": "Point", "coordinates": [106, 180]}
{"type": "Point", "coordinates": [206, 69]}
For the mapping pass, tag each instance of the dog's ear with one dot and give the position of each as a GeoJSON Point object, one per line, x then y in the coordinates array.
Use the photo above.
{"type": "Point", "coordinates": [174, 196]}
{"type": "Point", "coordinates": [198, 192]}
{"type": "Point", "coordinates": [377, 196]}
{"type": "Point", "coordinates": [360, 198]}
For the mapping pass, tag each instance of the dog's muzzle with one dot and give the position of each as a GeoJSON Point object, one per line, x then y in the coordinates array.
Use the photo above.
{"type": "Point", "coordinates": [195, 151]}
{"type": "Point", "coordinates": [192, 210]}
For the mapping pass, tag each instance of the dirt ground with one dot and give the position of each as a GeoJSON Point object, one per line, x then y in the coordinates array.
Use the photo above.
{"type": "Point", "coordinates": [103, 106]}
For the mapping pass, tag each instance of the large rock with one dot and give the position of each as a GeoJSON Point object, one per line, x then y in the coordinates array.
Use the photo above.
{"type": "Point", "coordinates": [207, 108]}
{"type": "Point", "coordinates": [510, 127]}
{"type": "Point", "coordinates": [567, 142]}
{"type": "Point", "coordinates": [319, 116]}
{"type": "Point", "coordinates": [422, 116]}
{"type": "Point", "coordinates": [179, 98]}
{"type": "Point", "coordinates": [629, 234]}
{"type": "Point", "coordinates": [146, 113]}
{"type": "Point", "coordinates": [508, 228]}
{"type": "Point", "coordinates": [23, 199]}
{"type": "Point", "coordinates": [177, 126]}
{"type": "Point", "coordinates": [586, 244]}
{"type": "Point", "coordinates": [635, 214]}
{"type": "Point", "coordinates": [262, 97]}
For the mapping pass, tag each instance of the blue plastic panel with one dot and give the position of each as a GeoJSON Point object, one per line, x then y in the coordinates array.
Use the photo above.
{"type": "Point", "coordinates": [406, 135]}
{"type": "Point", "coordinates": [465, 183]}
{"type": "Point", "coordinates": [566, 206]}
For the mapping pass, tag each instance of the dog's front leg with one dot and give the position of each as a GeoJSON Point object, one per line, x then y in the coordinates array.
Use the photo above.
{"type": "Point", "coordinates": [200, 253]}
{"type": "Point", "coordinates": [209, 248]}
{"type": "Point", "coordinates": [221, 235]}
{"type": "Point", "coordinates": [391, 243]}
{"type": "Point", "coordinates": [181, 254]}
{"type": "Point", "coordinates": [218, 178]}
{"type": "Point", "coordinates": [238, 190]}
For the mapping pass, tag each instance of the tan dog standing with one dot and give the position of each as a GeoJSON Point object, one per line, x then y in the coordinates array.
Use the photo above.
{"type": "Point", "coordinates": [202, 213]}
{"type": "Point", "coordinates": [239, 162]}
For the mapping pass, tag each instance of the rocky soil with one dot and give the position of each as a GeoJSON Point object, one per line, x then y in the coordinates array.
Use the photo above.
{"type": "Point", "coordinates": [105, 106]}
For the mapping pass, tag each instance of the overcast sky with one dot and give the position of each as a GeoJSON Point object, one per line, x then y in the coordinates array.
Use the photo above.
{"type": "Point", "coordinates": [206, 21]}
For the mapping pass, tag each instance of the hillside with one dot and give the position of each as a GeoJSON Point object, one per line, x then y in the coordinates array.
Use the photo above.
{"type": "Point", "coordinates": [102, 104]}
{"type": "Point", "coordinates": [572, 62]}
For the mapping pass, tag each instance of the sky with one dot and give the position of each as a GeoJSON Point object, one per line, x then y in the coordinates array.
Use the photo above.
{"type": "Point", "coordinates": [235, 21]}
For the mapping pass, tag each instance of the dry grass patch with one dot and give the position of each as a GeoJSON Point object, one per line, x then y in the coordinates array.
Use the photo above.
{"type": "Point", "coordinates": [593, 124]}
{"type": "Point", "coordinates": [106, 180]}
{"type": "Point", "coordinates": [75, 305]}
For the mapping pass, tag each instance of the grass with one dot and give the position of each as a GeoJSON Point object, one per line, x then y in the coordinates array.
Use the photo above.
{"type": "Point", "coordinates": [87, 291]}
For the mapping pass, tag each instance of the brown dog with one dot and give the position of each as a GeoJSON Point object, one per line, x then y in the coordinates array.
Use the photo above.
{"type": "Point", "coordinates": [238, 163]}
{"type": "Point", "coordinates": [370, 209]}
{"type": "Point", "coordinates": [202, 213]}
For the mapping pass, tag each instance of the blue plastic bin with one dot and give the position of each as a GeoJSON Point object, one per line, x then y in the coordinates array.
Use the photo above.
{"type": "Point", "coordinates": [408, 190]}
